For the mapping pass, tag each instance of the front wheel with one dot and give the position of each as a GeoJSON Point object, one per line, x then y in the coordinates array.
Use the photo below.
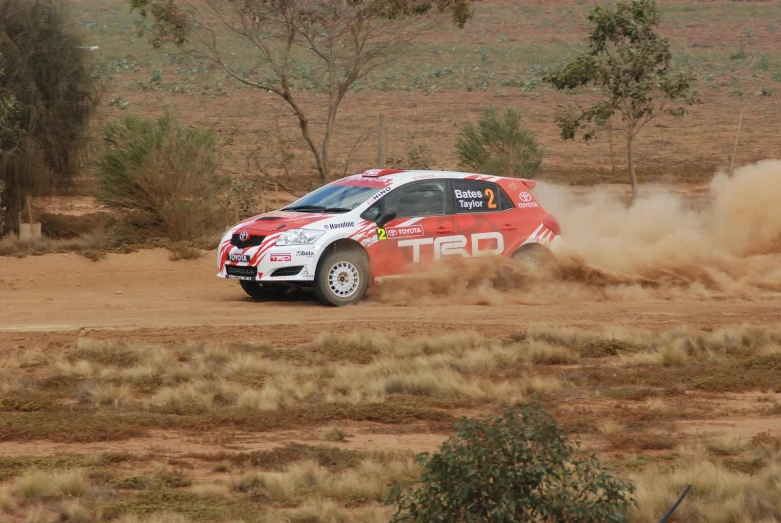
{"type": "Point", "coordinates": [258, 291]}
{"type": "Point", "coordinates": [342, 277]}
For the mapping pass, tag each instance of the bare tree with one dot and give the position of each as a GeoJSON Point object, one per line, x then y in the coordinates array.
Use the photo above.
{"type": "Point", "coordinates": [348, 39]}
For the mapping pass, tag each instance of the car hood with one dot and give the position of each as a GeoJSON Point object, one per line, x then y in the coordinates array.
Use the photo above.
{"type": "Point", "coordinates": [278, 221]}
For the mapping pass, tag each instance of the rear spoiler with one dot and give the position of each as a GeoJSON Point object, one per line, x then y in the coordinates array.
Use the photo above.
{"type": "Point", "coordinates": [531, 184]}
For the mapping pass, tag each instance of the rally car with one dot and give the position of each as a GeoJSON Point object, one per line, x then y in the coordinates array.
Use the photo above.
{"type": "Point", "coordinates": [385, 223]}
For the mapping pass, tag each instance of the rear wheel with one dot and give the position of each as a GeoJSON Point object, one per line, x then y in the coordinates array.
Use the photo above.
{"type": "Point", "coordinates": [342, 277]}
{"type": "Point", "coordinates": [537, 260]}
{"type": "Point", "coordinates": [259, 291]}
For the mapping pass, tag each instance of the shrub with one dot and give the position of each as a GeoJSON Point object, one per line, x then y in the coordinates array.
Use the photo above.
{"type": "Point", "coordinates": [162, 177]}
{"type": "Point", "coordinates": [518, 467]}
{"type": "Point", "coordinates": [48, 75]}
{"type": "Point", "coordinates": [499, 146]}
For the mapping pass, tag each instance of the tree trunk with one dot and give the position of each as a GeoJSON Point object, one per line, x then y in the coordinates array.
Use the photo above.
{"type": "Point", "coordinates": [612, 154]}
{"type": "Point", "coordinates": [630, 162]}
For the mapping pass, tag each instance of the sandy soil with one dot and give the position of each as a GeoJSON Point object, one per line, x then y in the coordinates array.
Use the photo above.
{"type": "Point", "coordinates": [144, 290]}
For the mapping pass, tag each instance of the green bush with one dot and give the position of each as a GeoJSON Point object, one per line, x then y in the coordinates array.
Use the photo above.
{"type": "Point", "coordinates": [162, 177]}
{"type": "Point", "coordinates": [499, 146]}
{"type": "Point", "coordinates": [518, 467]}
{"type": "Point", "coordinates": [48, 76]}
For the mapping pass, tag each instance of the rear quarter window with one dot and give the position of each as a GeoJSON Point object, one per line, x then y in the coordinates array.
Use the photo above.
{"type": "Point", "coordinates": [475, 197]}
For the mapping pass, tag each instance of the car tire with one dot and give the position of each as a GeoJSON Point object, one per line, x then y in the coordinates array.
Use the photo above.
{"type": "Point", "coordinates": [342, 277]}
{"type": "Point", "coordinates": [537, 260]}
{"type": "Point", "coordinates": [260, 292]}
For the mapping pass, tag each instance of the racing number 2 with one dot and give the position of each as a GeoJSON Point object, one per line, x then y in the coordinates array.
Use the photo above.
{"type": "Point", "coordinates": [381, 234]}
{"type": "Point", "coordinates": [490, 194]}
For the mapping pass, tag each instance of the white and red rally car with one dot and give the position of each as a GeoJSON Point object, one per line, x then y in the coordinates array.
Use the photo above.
{"type": "Point", "coordinates": [382, 223]}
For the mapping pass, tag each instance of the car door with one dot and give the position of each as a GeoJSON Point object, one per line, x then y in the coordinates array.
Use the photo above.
{"type": "Point", "coordinates": [418, 233]}
{"type": "Point", "coordinates": [485, 216]}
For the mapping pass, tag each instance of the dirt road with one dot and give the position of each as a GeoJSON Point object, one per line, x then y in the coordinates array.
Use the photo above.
{"type": "Point", "coordinates": [145, 290]}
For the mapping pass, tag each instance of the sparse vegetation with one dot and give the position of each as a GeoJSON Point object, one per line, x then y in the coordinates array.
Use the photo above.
{"type": "Point", "coordinates": [500, 146]}
{"type": "Point", "coordinates": [162, 177]}
{"type": "Point", "coordinates": [633, 381]}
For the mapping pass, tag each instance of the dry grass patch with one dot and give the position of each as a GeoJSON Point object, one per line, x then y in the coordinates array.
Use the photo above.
{"type": "Point", "coordinates": [36, 485]}
{"type": "Point", "coordinates": [161, 517]}
{"type": "Point", "coordinates": [610, 428]}
{"type": "Point", "coordinates": [316, 510]}
{"type": "Point", "coordinates": [105, 394]}
{"type": "Point", "coordinates": [92, 245]}
{"type": "Point", "coordinates": [366, 482]}
{"type": "Point", "coordinates": [7, 503]}
{"type": "Point", "coordinates": [542, 353]}
{"type": "Point", "coordinates": [719, 494]}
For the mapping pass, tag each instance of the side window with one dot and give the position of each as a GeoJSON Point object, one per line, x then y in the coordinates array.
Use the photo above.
{"type": "Point", "coordinates": [504, 201]}
{"type": "Point", "coordinates": [413, 200]}
{"type": "Point", "coordinates": [472, 196]}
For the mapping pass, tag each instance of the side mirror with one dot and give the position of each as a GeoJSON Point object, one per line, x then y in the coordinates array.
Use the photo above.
{"type": "Point", "coordinates": [385, 218]}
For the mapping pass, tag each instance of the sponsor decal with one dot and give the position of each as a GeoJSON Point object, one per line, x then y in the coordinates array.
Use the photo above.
{"type": "Point", "coordinates": [526, 201]}
{"type": "Point", "coordinates": [305, 254]}
{"type": "Point", "coordinates": [470, 200]}
{"type": "Point", "coordinates": [405, 232]}
{"type": "Point", "coordinates": [343, 225]}
{"type": "Point", "coordinates": [305, 272]}
{"type": "Point", "coordinates": [424, 177]}
{"type": "Point", "coordinates": [456, 245]}
{"type": "Point", "coordinates": [372, 173]}
{"type": "Point", "coordinates": [380, 194]}
{"type": "Point", "coordinates": [244, 236]}
{"type": "Point", "coordinates": [280, 257]}
{"type": "Point", "coordinates": [239, 258]}
{"type": "Point", "coordinates": [512, 186]}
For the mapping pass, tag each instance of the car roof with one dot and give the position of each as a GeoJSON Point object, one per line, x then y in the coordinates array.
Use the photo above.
{"type": "Point", "coordinates": [413, 175]}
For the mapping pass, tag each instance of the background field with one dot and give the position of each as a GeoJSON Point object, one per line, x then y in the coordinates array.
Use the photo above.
{"type": "Point", "coordinates": [733, 48]}
{"type": "Point", "coordinates": [137, 388]}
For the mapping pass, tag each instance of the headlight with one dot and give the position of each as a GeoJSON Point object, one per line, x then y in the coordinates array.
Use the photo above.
{"type": "Point", "coordinates": [299, 237]}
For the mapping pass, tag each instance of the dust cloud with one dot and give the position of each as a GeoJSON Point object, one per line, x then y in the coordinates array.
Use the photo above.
{"type": "Point", "coordinates": [661, 247]}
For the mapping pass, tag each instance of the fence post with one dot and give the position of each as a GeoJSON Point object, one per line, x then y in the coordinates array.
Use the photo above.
{"type": "Point", "coordinates": [381, 144]}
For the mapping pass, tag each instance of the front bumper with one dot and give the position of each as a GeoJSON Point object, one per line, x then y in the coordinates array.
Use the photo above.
{"type": "Point", "coordinates": [271, 263]}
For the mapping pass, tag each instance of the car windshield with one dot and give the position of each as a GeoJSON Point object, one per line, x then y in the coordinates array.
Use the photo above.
{"type": "Point", "coordinates": [333, 198]}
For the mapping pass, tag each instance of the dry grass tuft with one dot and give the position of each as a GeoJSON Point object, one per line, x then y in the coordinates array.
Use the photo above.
{"type": "Point", "coordinates": [7, 503]}
{"type": "Point", "coordinates": [317, 510]}
{"type": "Point", "coordinates": [37, 485]}
{"type": "Point", "coordinates": [542, 353]}
{"type": "Point", "coordinates": [105, 394]}
{"type": "Point", "coordinates": [160, 517]}
{"type": "Point", "coordinates": [75, 512]}
{"type": "Point", "coordinates": [334, 434]}
{"type": "Point", "coordinates": [610, 428]}
{"type": "Point", "coordinates": [673, 356]}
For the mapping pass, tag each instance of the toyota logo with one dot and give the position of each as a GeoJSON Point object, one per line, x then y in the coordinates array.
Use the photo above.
{"type": "Point", "coordinates": [243, 236]}
{"type": "Point", "coordinates": [525, 197]}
